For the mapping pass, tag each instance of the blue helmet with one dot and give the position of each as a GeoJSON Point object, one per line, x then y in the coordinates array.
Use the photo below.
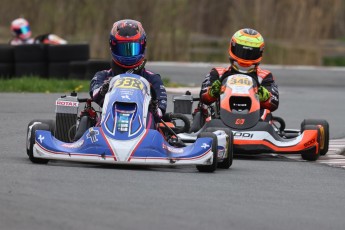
{"type": "Point", "coordinates": [127, 43]}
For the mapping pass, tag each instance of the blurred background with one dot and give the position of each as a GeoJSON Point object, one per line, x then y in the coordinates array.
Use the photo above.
{"type": "Point", "coordinates": [308, 32]}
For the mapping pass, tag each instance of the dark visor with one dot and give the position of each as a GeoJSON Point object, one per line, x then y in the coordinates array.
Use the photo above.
{"type": "Point", "coordinates": [127, 49]}
{"type": "Point", "coordinates": [22, 30]}
{"type": "Point", "coordinates": [245, 52]}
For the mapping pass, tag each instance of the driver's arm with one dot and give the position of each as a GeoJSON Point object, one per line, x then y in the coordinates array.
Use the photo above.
{"type": "Point", "coordinates": [273, 102]}
{"type": "Point", "coordinates": [96, 86]}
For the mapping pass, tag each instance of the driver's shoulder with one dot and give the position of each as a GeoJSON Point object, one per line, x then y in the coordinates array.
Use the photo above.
{"type": "Point", "coordinates": [218, 71]}
{"type": "Point", "coordinates": [149, 73]}
{"type": "Point", "coordinates": [263, 72]}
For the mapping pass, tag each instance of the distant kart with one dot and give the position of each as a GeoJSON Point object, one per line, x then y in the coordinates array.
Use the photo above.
{"type": "Point", "coordinates": [122, 136]}
{"type": "Point", "coordinates": [254, 131]}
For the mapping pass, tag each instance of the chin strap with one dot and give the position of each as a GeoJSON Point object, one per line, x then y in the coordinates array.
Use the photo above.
{"type": "Point", "coordinates": [138, 68]}
{"type": "Point", "coordinates": [241, 69]}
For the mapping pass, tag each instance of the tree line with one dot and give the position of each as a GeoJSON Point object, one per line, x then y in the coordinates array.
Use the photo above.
{"type": "Point", "coordinates": [189, 30]}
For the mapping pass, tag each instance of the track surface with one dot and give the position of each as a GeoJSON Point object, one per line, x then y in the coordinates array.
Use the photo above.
{"type": "Point", "coordinates": [262, 192]}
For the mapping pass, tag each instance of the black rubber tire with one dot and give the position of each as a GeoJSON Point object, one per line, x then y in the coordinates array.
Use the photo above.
{"type": "Point", "coordinates": [30, 53]}
{"type": "Point", "coordinates": [280, 121]}
{"type": "Point", "coordinates": [68, 52]}
{"type": "Point", "coordinates": [65, 127]}
{"type": "Point", "coordinates": [84, 124]}
{"type": "Point", "coordinates": [30, 69]}
{"type": "Point", "coordinates": [213, 166]}
{"type": "Point", "coordinates": [311, 155]}
{"type": "Point", "coordinates": [6, 70]}
{"type": "Point", "coordinates": [93, 66]}
{"type": "Point", "coordinates": [198, 122]}
{"type": "Point", "coordinates": [6, 53]}
{"type": "Point", "coordinates": [50, 123]}
{"type": "Point", "coordinates": [324, 132]}
{"type": "Point", "coordinates": [31, 142]}
{"type": "Point", "coordinates": [227, 162]}
{"type": "Point", "coordinates": [77, 70]}
{"type": "Point", "coordinates": [58, 70]}
{"type": "Point", "coordinates": [182, 117]}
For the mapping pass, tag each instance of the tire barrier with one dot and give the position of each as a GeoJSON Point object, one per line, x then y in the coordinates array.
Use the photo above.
{"type": "Point", "coordinates": [94, 66]}
{"type": "Point", "coordinates": [77, 70]}
{"type": "Point", "coordinates": [51, 61]}
{"type": "Point", "coordinates": [6, 61]}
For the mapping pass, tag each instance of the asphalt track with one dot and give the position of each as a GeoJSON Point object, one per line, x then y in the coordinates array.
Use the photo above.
{"type": "Point", "coordinates": [263, 192]}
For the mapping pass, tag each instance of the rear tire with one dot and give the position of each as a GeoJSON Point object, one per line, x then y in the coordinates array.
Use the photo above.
{"type": "Point", "coordinates": [213, 166]}
{"type": "Point", "coordinates": [31, 141]}
{"type": "Point", "coordinates": [311, 155]}
{"type": "Point", "coordinates": [324, 133]}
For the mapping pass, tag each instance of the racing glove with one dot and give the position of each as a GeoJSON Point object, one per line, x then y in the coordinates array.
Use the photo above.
{"type": "Point", "coordinates": [215, 88]}
{"type": "Point", "coordinates": [104, 88]}
{"type": "Point", "coordinates": [158, 114]}
{"type": "Point", "coordinates": [264, 94]}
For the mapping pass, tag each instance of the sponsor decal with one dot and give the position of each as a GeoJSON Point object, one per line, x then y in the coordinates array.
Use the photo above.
{"type": "Point", "coordinates": [240, 121]}
{"type": "Point", "coordinates": [41, 138]}
{"type": "Point", "coordinates": [67, 103]}
{"type": "Point", "coordinates": [309, 143]}
{"type": "Point", "coordinates": [126, 97]}
{"type": "Point", "coordinates": [244, 135]}
{"type": "Point", "coordinates": [204, 146]}
{"type": "Point", "coordinates": [74, 145]}
{"type": "Point", "coordinates": [221, 152]}
{"type": "Point", "coordinates": [92, 135]}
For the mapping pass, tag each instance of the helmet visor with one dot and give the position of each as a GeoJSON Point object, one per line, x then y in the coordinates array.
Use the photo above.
{"type": "Point", "coordinates": [22, 30]}
{"type": "Point", "coordinates": [127, 49]}
{"type": "Point", "coordinates": [246, 52]}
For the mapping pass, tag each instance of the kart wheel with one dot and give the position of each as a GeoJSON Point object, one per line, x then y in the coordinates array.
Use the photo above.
{"type": "Point", "coordinates": [31, 142]}
{"type": "Point", "coordinates": [213, 166]}
{"type": "Point", "coordinates": [312, 154]}
{"type": "Point", "coordinates": [50, 123]}
{"type": "Point", "coordinates": [198, 122]}
{"type": "Point", "coordinates": [84, 124]}
{"type": "Point", "coordinates": [184, 119]}
{"type": "Point", "coordinates": [324, 139]}
{"type": "Point", "coordinates": [227, 162]}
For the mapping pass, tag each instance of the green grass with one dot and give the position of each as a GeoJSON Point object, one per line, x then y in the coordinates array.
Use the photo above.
{"type": "Point", "coordinates": [36, 84]}
{"type": "Point", "coordinates": [334, 61]}
{"type": "Point", "coordinates": [41, 85]}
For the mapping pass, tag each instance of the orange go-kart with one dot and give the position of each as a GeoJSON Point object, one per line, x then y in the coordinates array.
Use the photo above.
{"type": "Point", "coordinates": [255, 130]}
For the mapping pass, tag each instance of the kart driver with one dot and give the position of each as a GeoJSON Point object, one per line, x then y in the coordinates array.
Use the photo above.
{"type": "Point", "coordinates": [21, 31]}
{"type": "Point", "coordinates": [245, 50]}
{"type": "Point", "coordinates": [22, 35]}
{"type": "Point", "coordinates": [128, 44]}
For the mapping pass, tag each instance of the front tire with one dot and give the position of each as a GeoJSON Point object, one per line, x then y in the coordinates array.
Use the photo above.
{"type": "Point", "coordinates": [213, 166]}
{"type": "Point", "coordinates": [312, 154]}
{"type": "Point", "coordinates": [31, 141]}
{"type": "Point", "coordinates": [324, 132]}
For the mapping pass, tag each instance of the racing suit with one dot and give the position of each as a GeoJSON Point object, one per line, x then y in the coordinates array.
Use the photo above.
{"type": "Point", "coordinates": [18, 41]}
{"type": "Point", "coordinates": [153, 78]}
{"type": "Point", "coordinates": [263, 77]}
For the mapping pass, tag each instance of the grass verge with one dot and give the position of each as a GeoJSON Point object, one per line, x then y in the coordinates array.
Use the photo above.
{"type": "Point", "coordinates": [41, 85]}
